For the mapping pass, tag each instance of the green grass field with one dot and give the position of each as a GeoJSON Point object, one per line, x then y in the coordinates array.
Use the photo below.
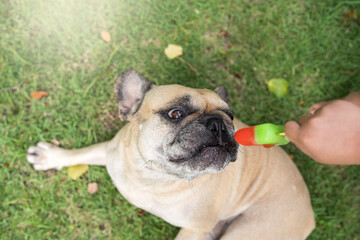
{"type": "Point", "coordinates": [55, 46]}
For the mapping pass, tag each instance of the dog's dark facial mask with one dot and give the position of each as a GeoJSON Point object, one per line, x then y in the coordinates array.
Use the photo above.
{"type": "Point", "coordinates": [203, 145]}
{"type": "Point", "coordinates": [185, 132]}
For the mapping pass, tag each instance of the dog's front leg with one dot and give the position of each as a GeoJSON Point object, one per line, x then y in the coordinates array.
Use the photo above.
{"type": "Point", "coordinates": [46, 156]}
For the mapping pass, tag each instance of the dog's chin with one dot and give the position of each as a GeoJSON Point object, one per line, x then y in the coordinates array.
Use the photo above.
{"type": "Point", "coordinates": [209, 159]}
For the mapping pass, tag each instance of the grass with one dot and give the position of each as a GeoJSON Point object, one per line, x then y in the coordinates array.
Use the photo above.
{"type": "Point", "coordinates": [55, 46]}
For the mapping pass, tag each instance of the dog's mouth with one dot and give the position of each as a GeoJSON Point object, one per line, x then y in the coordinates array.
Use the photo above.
{"type": "Point", "coordinates": [210, 151]}
{"type": "Point", "coordinates": [207, 159]}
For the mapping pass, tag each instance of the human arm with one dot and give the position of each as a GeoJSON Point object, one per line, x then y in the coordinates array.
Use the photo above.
{"type": "Point", "coordinates": [330, 132]}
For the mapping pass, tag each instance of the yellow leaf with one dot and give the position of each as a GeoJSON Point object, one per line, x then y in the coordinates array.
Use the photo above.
{"type": "Point", "coordinates": [278, 86]}
{"type": "Point", "coordinates": [105, 36]}
{"type": "Point", "coordinates": [173, 51]}
{"type": "Point", "coordinates": [74, 172]}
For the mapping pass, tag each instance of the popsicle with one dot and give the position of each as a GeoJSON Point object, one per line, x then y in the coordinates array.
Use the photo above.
{"type": "Point", "coordinates": [266, 134]}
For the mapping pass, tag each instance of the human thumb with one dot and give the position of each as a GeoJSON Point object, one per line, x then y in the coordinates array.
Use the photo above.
{"type": "Point", "coordinates": [291, 130]}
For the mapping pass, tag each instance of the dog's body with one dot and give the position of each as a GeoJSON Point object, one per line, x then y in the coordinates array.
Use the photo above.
{"type": "Point", "coordinates": [170, 160]}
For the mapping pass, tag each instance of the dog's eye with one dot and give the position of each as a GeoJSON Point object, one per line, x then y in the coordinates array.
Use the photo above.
{"type": "Point", "coordinates": [176, 113]}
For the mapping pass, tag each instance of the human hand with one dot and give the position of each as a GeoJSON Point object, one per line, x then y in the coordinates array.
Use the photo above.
{"type": "Point", "coordinates": [330, 132]}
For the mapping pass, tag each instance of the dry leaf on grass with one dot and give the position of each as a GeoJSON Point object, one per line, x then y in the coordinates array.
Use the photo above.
{"type": "Point", "coordinates": [92, 188]}
{"type": "Point", "coordinates": [349, 16]}
{"type": "Point", "coordinates": [173, 51]}
{"type": "Point", "coordinates": [38, 95]}
{"type": "Point", "coordinates": [224, 33]}
{"type": "Point", "coordinates": [74, 172]}
{"type": "Point", "coordinates": [55, 142]}
{"type": "Point", "coordinates": [140, 212]}
{"type": "Point", "coordinates": [105, 36]}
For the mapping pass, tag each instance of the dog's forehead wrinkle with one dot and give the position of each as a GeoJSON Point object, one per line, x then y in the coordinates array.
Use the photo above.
{"type": "Point", "coordinates": [195, 100]}
{"type": "Point", "coordinates": [186, 99]}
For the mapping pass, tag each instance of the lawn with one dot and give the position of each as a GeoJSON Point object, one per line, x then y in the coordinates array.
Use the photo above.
{"type": "Point", "coordinates": [55, 46]}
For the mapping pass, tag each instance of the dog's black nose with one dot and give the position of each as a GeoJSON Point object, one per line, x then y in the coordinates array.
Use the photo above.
{"type": "Point", "coordinates": [217, 127]}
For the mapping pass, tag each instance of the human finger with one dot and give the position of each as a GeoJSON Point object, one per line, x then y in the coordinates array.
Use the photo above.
{"type": "Point", "coordinates": [302, 120]}
{"type": "Point", "coordinates": [291, 130]}
{"type": "Point", "coordinates": [317, 106]}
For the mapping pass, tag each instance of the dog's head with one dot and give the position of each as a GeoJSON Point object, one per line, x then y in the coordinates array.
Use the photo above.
{"type": "Point", "coordinates": [188, 132]}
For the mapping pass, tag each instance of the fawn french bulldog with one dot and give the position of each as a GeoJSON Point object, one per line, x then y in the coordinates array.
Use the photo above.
{"type": "Point", "coordinates": [177, 159]}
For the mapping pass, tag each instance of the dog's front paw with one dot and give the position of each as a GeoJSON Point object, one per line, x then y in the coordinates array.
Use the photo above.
{"type": "Point", "coordinates": [45, 156]}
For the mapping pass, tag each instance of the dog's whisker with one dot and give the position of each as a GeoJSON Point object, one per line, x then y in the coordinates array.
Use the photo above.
{"type": "Point", "coordinates": [241, 149]}
{"type": "Point", "coordinates": [191, 186]}
{"type": "Point", "coordinates": [225, 172]}
{"type": "Point", "coordinates": [146, 162]}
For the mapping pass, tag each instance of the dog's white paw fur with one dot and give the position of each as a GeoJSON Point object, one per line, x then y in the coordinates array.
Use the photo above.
{"type": "Point", "coordinates": [45, 156]}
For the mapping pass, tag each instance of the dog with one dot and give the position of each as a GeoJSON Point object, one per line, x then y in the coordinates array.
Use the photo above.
{"type": "Point", "coordinates": [177, 159]}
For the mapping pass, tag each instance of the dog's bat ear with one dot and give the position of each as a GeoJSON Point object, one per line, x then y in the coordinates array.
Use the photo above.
{"type": "Point", "coordinates": [130, 89]}
{"type": "Point", "coordinates": [223, 94]}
